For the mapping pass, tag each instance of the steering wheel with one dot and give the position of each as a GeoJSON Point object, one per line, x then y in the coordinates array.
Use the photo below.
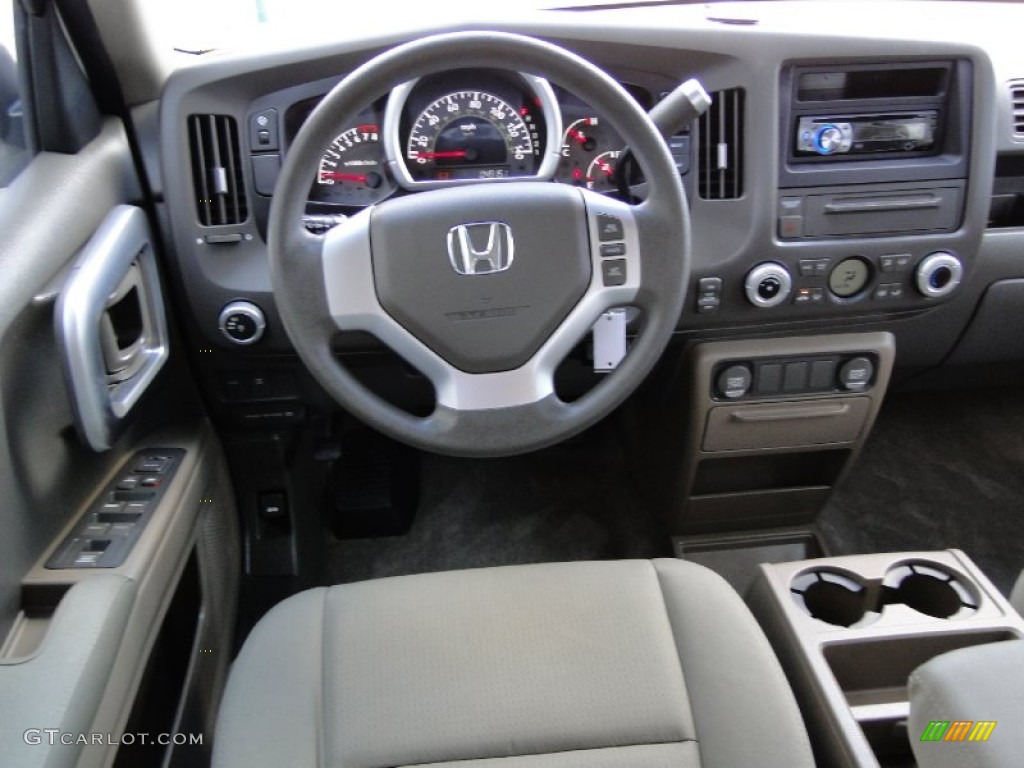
{"type": "Point", "coordinates": [485, 287]}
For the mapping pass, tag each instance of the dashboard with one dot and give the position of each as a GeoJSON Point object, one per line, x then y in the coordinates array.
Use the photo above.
{"type": "Point", "coordinates": [844, 177]}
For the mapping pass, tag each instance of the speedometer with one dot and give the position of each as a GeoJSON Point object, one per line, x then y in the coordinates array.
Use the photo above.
{"type": "Point", "coordinates": [471, 135]}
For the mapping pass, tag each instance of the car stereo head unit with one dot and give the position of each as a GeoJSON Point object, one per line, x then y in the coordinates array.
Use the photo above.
{"type": "Point", "coordinates": [869, 134]}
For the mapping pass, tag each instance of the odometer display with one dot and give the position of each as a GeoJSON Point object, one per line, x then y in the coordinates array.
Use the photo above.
{"type": "Point", "coordinates": [471, 135]}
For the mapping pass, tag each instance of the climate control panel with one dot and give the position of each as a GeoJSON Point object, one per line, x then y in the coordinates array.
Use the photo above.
{"type": "Point", "coordinates": [853, 281]}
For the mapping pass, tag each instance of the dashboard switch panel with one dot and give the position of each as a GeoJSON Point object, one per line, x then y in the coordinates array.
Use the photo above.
{"type": "Point", "coordinates": [769, 377]}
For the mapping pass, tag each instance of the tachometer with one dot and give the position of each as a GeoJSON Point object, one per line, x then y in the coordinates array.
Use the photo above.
{"type": "Point", "coordinates": [352, 170]}
{"type": "Point", "coordinates": [471, 135]}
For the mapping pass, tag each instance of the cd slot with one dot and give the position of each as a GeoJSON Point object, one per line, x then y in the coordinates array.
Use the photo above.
{"type": "Point", "coordinates": [934, 209]}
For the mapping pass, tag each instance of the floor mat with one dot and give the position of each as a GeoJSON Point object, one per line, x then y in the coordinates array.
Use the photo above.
{"type": "Point", "coordinates": [575, 501]}
{"type": "Point", "coordinates": [940, 470]}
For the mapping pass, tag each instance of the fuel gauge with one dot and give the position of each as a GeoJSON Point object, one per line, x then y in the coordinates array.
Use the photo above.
{"type": "Point", "coordinates": [590, 154]}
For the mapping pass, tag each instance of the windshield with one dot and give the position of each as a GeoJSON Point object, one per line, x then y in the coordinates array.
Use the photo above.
{"type": "Point", "coordinates": [198, 25]}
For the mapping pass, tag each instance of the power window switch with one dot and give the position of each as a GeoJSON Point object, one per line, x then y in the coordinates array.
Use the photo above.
{"type": "Point", "coordinates": [87, 559]}
{"type": "Point", "coordinates": [151, 465]}
{"type": "Point", "coordinates": [128, 483]}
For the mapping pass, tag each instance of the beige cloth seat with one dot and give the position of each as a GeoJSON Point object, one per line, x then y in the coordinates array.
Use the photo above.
{"type": "Point", "coordinates": [598, 665]}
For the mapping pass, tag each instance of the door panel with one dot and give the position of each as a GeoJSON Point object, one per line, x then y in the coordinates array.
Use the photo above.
{"type": "Point", "coordinates": [50, 477]}
{"type": "Point", "coordinates": [46, 215]}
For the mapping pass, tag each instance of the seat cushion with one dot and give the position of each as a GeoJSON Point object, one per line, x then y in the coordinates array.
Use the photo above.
{"type": "Point", "coordinates": [633, 663]}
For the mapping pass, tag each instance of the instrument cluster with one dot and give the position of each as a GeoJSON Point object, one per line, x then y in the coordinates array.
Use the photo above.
{"type": "Point", "coordinates": [464, 126]}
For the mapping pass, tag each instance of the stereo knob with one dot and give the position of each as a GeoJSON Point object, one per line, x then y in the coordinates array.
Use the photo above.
{"type": "Point", "coordinates": [242, 322]}
{"type": "Point", "coordinates": [939, 274]}
{"type": "Point", "coordinates": [828, 139]}
{"type": "Point", "coordinates": [768, 285]}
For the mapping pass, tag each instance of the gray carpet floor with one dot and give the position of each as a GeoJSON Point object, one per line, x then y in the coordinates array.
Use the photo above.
{"type": "Point", "coordinates": [575, 501]}
{"type": "Point", "coordinates": [940, 470]}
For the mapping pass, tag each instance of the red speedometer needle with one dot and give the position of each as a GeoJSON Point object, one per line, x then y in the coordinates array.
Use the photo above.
{"type": "Point", "coordinates": [344, 176]}
{"type": "Point", "coordinates": [441, 155]}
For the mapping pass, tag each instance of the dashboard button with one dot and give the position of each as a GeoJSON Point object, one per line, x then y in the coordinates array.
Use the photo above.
{"type": "Point", "coordinates": [708, 285]}
{"type": "Point", "coordinates": [791, 226]}
{"type": "Point", "coordinates": [795, 377]}
{"type": "Point", "coordinates": [822, 375]}
{"type": "Point", "coordinates": [242, 322]}
{"type": "Point", "coordinates": [939, 274]}
{"type": "Point", "coordinates": [769, 378]}
{"type": "Point", "coordinates": [708, 304]}
{"type": "Point", "coordinates": [734, 382]}
{"type": "Point", "coordinates": [768, 285]}
{"type": "Point", "coordinates": [263, 133]}
{"type": "Point", "coordinates": [856, 374]}
{"type": "Point", "coordinates": [808, 267]}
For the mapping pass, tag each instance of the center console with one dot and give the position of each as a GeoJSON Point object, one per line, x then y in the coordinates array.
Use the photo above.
{"type": "Point", "coordinates": [768, 428]}
{"type": "Point", "coordinates": [850, 630]}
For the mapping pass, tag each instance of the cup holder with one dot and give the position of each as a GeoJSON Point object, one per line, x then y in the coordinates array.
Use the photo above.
{"type": "Point", "coordinates": [844, 599]}
{"type": "Point", "coordinates": [834, 597]}
{"type": "Point", "coordinates": [929, 589]}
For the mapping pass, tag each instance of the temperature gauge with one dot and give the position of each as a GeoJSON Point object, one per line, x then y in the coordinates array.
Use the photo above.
{"type": "Point", "coordinates": [590, 155]}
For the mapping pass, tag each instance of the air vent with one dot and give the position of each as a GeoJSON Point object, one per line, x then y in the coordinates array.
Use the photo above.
{"type": "Point", "coordinates": [1017, 102]}
{"type": "Point", "coordinates": [217, 170]}
{"type": "Point", "coordinates": [720, 147]}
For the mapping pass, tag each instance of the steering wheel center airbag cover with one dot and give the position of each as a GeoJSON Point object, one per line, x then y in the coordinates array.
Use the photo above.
{"type": "Point", "coordinates": [482, 279]}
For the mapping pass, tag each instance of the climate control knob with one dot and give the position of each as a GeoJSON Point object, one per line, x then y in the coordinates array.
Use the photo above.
{"type": "Point", "coordinates": [768, 285]}
{"type": "Point", "coordinates": [939, 274]}
{"type": "Point", "coordinates": [242, 322]}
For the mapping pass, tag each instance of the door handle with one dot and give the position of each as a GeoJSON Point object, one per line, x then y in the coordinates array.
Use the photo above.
{"type": "Point", "coordinates": [111, 325]}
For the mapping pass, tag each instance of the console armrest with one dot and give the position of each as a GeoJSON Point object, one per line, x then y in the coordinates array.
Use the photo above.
{"type": "Point", "coordinates": [954, 699]}
{"type": "Point", "coordinates": [58, 687]}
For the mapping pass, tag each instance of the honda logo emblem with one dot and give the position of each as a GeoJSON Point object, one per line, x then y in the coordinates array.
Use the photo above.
{"type": "Point", "coordinates": [482, 248]}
